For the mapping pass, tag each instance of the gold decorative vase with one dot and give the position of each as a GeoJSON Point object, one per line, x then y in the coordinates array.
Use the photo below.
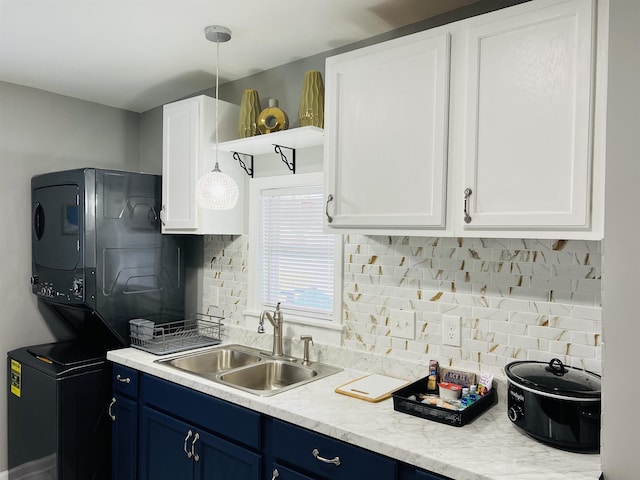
{"type": "Point", "coordinates": [312, 100]}
{"type": "Point", "coordinates": [272, 118]}
{"type": "Point", "coordinates": [249, 111]}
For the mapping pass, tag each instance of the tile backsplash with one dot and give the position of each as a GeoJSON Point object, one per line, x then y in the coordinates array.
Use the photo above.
{"type": "Point", "coordinates": [517, 299]}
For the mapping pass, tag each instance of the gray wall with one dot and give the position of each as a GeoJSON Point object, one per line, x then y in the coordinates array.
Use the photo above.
{"type": "Point", "coordinates": [621, 432]}
{"type": "Point", "coordinates": [42, 132]}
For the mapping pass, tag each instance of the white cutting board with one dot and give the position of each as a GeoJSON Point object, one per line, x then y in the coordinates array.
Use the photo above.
{"type": "Point", "coordinates": [372, 388]}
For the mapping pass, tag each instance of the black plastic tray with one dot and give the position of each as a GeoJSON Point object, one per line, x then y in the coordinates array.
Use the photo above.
{"type": "Point", "coordinates": [439, 414]}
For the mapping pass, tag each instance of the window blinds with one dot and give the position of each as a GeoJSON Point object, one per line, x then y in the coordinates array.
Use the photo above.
{"type": "Point", "coordinates": [296, 257]}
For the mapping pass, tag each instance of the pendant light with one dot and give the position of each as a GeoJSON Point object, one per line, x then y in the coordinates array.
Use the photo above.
{"type": "Point", "coordinates": [216, 190]}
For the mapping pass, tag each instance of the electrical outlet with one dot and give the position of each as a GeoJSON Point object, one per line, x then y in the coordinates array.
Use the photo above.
{"type": "Point", "coordinates": [451, 330]}
{"type": "Point", "coordinates": [403, 324]}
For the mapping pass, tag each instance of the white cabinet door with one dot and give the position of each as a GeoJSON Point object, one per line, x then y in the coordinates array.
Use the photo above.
{"type": "Point", "coordinates": [188, 153]}
{"type": "Point", "coordinates": [527, 116]}
{"type": "Point", "coordinates": [386, 134]}
{"type": "Point", "coordinates": [180, 164]}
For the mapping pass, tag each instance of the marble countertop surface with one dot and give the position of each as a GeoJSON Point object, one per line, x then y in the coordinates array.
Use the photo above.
{"type": "Point", "coordinates": [488, 448]}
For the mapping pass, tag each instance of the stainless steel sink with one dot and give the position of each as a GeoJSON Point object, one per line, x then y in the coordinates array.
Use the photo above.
{"type": "Point", "coordinates": [250, 369]}
{"type": "Point", "coordinates": [216, 360]}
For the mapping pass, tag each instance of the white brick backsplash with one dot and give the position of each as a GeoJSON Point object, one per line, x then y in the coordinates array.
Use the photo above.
{"type": "Point", "coordinates": [518, 298]}
{"type": "Point", "coordinates": [590, 313]}
{"type": "Point", "coordinates": [583, 338]}
{"type": "Point", "coordinates": [509, 327]}
{"type": "Point", "coordinates": [527, 342]}
{"type": "Point", "coordinates": [575, 324]}
{"type": "Point", "coordinates": [528, 318]}
{"type": "Point", "coordinates": [549, 333]}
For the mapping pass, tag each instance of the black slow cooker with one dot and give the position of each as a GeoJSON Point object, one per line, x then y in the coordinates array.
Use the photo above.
{"type": "Point", "coordinates": [555, 404]}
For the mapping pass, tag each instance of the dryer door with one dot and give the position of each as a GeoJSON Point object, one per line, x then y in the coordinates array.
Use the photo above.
{"type": "Point", "coordinates": [56, 227]}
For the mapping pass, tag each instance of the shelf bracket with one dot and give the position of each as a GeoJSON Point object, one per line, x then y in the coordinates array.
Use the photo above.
{"type": "Point", "coordinates": [238, 156]}
{"type": "Point", "coordinates": [290, 164]}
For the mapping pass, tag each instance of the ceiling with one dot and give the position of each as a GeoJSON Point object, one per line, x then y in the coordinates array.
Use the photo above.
{"type": "Point", "coordinates": [138, 54]}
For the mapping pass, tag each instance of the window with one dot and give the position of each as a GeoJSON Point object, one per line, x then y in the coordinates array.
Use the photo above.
{"type": "Point", "coordinates": [295, 262]}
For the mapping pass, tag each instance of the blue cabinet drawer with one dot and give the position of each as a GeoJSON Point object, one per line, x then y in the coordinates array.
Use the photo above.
{"type": "Point", "coordinates": [125, 381]}
{"type": "Point", "coordinates": [217, 416]}
{"type": "Point", "coordinates": [310, 452]}
{"type": "Point", "coordinates": [411, 472]}
{"type": "Point", "coordinates": [278, 472]}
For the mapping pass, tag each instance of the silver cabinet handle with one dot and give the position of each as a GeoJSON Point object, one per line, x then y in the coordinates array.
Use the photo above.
{"type": "Point", "coordinates": [184, 447]}
{"type": "Point", "coordinates": [162, 210]}
{"type": "Point", "coordinates": [316, 454]}
{"type": "Point", "coordinates": [123, 379]}
{"type": "Point", "coordinates": [326, 208]}
{"type": "Point", "coordinates": [110, 412]}
{"type": "Point", "coordinates": [196, 457]}
{"type": "Point", "coordinates": [276, 474]}
{"type": "Point", "coordinates": [467, 194]}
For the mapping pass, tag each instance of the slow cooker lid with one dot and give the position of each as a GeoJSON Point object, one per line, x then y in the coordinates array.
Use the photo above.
{"type": "Point", "coordinates": [556, 378]}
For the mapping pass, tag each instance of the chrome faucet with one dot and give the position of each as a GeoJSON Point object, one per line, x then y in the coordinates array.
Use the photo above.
{"type": "Point", "coordinates": [276, 321]}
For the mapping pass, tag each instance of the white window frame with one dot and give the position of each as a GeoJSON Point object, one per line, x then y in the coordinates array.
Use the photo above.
{"type": "Point", "coordinates": [323, 330]}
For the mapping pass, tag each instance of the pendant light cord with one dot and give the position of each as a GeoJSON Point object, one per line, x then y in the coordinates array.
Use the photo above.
{"type": "Point", "coordinates": [217, 98]}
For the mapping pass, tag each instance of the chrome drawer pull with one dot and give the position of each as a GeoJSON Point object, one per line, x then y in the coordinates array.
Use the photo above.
{"type": "Point", "coordinates": [276, 474]}
{"type": "Point", "coordinates": [123, 379]}
{"type": "Point", "coordinates": [326, 208]}
{"type": "Point", "coordinates": [467, 194]}
{"type": "Point", "coordinates": [316, 454]}
{"type": "Point", "coordinates": [184, 447]}
{"type": "Point", "coordinates": [110, 413]}
{"type": "Point", "coordinates": [196, 457]}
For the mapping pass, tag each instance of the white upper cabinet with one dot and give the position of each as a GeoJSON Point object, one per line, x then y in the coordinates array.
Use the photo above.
{"type": "Point", "coordinates": [188, 152]}
{"type": "Point", "coordinates": [507, 106]}
{"type": "Point", "coordinates": [386, 135]}
{"type": "Point", "coordinates": [526, 109]}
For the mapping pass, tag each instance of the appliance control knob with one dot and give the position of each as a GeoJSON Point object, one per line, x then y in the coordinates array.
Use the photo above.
{"type": "Point", "coordinates": [35, 280]}
{"type": "Point", "coordinates": [76, 287]}
{"type": "Point", "coordinates": [514, 413]}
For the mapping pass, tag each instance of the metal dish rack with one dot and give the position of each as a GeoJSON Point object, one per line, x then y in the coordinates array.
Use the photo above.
{"type": "Point", "coordinates": [201, 330]}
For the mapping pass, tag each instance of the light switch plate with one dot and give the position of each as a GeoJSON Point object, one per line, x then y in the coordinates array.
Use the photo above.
{"type": "Point", "coordinates": [402, 324]}
{"type": "Point", "coordinates": [451, 330]}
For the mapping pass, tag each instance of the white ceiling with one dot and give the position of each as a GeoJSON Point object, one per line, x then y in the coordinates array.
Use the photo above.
{"type": "Point", "coordinates": [138, 54]}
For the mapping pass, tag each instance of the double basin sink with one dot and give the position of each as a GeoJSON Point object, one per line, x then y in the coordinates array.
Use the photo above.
{"type": "Point", "coordinates": [250, 369]}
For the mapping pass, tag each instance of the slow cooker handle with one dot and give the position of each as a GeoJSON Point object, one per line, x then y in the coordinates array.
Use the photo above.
{"type": "Point", "coordinates": [556, 367]}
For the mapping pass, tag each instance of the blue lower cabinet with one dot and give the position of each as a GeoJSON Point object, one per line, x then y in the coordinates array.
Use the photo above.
{"type": "Point", "coordinates": [185, 434]}
{"type": "Point", "coordinates": [165, 447]}
{"type": "Point", "coordinates": [164, 431]}
{"type": "Point", "coordinates": [222, 460]}
{"type": "Point", "coordinates": [171, 449]}
{"type": "Point", "coordinates": [124, 435]}
{"type": "Point", "coordinates": [422, 475]}
{"type": "Point", "coordinates": [320, 457]}
{"type": "Point", "coordinates": [278, 472]}
{"type": "Point", "coordinates": [410, 472]}
{"type": "Point", "coordinates": [123, 411]}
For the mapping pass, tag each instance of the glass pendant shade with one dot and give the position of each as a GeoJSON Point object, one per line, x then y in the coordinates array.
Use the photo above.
{"type": "Point", "coordinates": [217, 190]}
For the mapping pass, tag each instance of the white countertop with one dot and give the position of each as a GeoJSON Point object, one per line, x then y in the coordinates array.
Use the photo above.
{"type": "Point", "coordinates": [489, 448]}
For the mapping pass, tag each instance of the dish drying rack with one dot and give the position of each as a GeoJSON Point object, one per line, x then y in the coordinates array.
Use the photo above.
{"type": "Point", "coordinates": [200, 330]}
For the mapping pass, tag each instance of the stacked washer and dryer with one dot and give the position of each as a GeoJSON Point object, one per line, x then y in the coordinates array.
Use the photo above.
{"type": "Point", "coordinates": [98, 261]}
